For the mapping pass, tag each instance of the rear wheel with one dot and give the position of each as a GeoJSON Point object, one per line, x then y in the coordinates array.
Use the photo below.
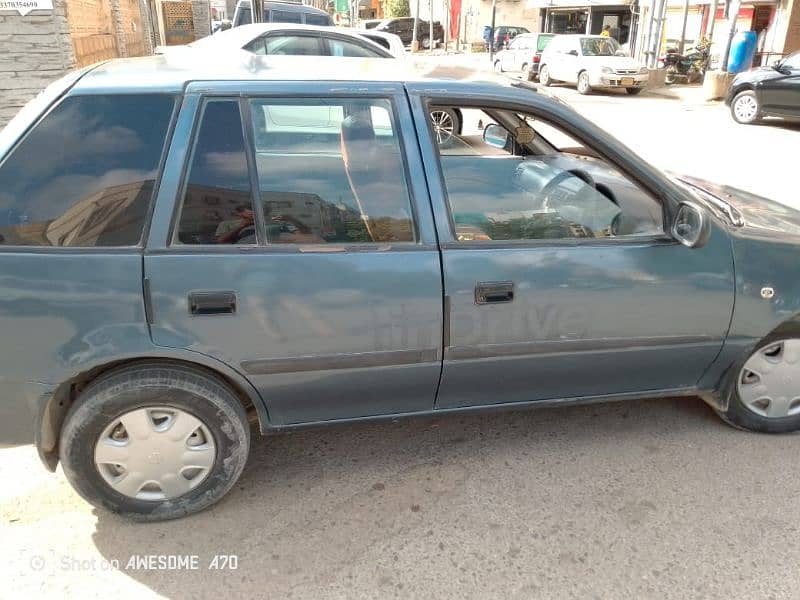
{"type": "Point", "coordinates": [544, 76]}
{"type": "Point", "coordinates": [154, 442]}
{"type": "Point", "coordinates": [498, 66]}
{"type": "Point", "coordinates": [584, 86]}
{"type": "Point", "coordinates": [671, 75]}
{"type": "Point", "coordinates": [765, 394]}
{"type": "Point", "coordinates": [746, 108]}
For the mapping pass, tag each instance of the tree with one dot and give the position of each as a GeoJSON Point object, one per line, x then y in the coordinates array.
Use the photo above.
{"type": "Point", "coordinates": [397, 8]}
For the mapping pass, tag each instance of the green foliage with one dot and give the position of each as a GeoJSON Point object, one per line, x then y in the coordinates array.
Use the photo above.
{"type": "Point", "coordinates": [397, 8]}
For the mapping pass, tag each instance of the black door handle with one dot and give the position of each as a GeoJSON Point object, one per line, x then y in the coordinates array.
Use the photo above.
{"type": "Point", "coordinates": [491, 292]}
{"type": "Point", "coordinates": [212, 303]}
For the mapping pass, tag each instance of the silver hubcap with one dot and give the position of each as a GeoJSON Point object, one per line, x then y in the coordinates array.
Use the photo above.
{"type": "Point", "coordinates": [583, 82]}
{"type": "Point", "coordinates": [768, 383]}
{"type": "Point", "coordinates": [443, 125]}
{"type": "Point", "coordinates": [745, 108]}
{"type": "Point", "coordinates": [544, 75]}
{"type": "Point", "coordinates": [155, 453]}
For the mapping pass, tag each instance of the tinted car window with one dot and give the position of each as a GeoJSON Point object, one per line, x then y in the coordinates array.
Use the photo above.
{"type": "Point", "coordinates": [244, 17]}
{"type": "Point", "coordinates": [217, 204]}
{"type": "Point", "coordinates": [295, 45]}
{"type": "Point", "coordinates": [343, 48]}
{"type": "Point", "coordinates": [331, 173]}
{"type": "Point", "coordinates": [85, 174]}
{"type": "Point", "coordinates": [284, 16]}
{"type": "Point", "coordinates": [321, 20]}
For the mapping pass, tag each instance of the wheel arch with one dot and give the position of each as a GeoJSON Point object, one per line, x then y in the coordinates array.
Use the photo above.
{"type": "Point", "coordinates": [717, 392]}
{"type": "Point", "coordinates": [53, 408]}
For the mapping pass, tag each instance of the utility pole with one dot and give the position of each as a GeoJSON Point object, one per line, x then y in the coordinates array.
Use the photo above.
{"type": "Point", "coordinates": [491, 33]}
{"type": "Point", "coordinates": [430, 27]}
{"type": "Point", "coordinates": [683, 28]}
{"type": "Point", "coordinates": [414, 41]}
{"type": "Point", "coordinates": [733, 13]}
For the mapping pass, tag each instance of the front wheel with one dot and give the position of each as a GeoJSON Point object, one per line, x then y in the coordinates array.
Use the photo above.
{"type": "Point", "coordinates": [584, 87]}
{"type": "Point", "coordinates": [764, 395]}
{"type": "Point", "coordinates": [544, 76]}
{"type": "Point", "coordinates": [155, 442]}
{"type": "Point", "coordinates": [633, 91]}
{"type": "Point", "coordinates": [746, 108]}
{"type": "Point", "coordinates": [670, 76]}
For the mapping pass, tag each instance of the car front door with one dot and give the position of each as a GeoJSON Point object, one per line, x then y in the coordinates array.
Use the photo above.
{"type": "Point", "coordinates": [781, 95]}
{"type": "Point", "coordinates": [297, 251]}
{"type": "Point", "coordinates": [559, 279]}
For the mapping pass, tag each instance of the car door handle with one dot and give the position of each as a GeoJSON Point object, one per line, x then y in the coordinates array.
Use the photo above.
{"type": "Point", "coordinates": [212, 303]}
{"type": "Point", "coordinates": [493, 292]}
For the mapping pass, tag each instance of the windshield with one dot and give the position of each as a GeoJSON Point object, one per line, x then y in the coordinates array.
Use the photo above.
{"type": "Point", "coordinates": [542, 42]}
{"type": "Point", "coordinates": [599, 46]}
{"type": "Point", "coordinates": [792, 62]}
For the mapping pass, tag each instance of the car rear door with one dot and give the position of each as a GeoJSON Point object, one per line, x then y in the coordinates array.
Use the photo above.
{"type": "Point", "coordinates": [299, 248]}
{"type": "Point", "coordinates": [560, 290]}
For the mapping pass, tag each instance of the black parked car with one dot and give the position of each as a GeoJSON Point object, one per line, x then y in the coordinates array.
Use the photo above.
{"type": "Point", "coordinates": [404, 28]}
{"type": "Point", "coordinates": [767, 92]}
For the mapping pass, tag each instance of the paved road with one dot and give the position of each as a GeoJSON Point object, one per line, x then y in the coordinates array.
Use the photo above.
{"type": "Point", "coordinates": [640, 499]}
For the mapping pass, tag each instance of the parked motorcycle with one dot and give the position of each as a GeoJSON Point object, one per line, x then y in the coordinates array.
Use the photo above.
{"type": "Point", "coordinates": [686, 68]}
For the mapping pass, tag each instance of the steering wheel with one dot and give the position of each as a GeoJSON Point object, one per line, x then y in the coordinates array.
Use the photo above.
{"type": "Point", "coordinates": [246, 232]}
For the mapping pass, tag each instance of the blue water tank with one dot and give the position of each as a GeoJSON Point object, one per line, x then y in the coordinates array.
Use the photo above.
{"type": "Point", "coordinates": [743, 48]}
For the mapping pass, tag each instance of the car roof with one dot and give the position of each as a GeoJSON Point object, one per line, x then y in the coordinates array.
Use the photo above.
{"type": "Point", "coordinates": [237, 37]}
{"type": "Point", "coordinates": [171, 72]}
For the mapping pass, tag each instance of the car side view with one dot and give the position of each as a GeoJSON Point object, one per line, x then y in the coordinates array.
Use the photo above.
{"type": "Point", "coordinates": [281, 241]}
{"type": "Point", "coordinates": [591, 62]}
{"type": "Point", "coordinates": [772, 91]}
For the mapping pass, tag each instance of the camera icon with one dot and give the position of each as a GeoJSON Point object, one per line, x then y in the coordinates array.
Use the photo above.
{"type": "Point", "coordinates": [37, 562]}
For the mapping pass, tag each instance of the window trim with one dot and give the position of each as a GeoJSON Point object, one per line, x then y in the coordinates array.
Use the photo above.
{"type": "Point", "coordinates": [428, 101]}
{"type": "Point", "coordinates": [343, 246]}
{"type": "Point", "coordinates": [177, 101]}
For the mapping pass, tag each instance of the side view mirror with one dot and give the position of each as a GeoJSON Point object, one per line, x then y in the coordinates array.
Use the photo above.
{"type": "Point", "coordinates": [495, 136]}
{"type": "Point", "coordinates": [573, 53]}
{"type": "Point", "coordinates": [691, 226]}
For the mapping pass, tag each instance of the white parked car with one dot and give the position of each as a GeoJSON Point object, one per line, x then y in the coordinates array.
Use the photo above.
{"type": "Point", "coordinates": [389, 41]}
{"type": "Point", "coordinates": [591, 61]}
{"type": "Point", "coordinates": [288, 39]}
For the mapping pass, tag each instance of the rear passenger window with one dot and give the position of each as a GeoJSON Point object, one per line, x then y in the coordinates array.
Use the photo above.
{"type": "Point", "coordinates": [342, 48]}
{"type": "Point", "coordinates": [331, 172]}
{"type": "Point", "coordinates": [217, 204]}
{"type": "Point", "coordinates": [283, 16]}
{"type": "Point", "coordinates": [84, 176]}
{"type": "Point", "coordinates": [294, 45]}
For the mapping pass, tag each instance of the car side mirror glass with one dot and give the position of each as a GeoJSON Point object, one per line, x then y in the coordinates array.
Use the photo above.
{"type": "Point", "coordinates": [495, 136]}
{"type": "Point", "coordinates": [573, 53]}
{"type": "Point", "coordinates": [690, 226]}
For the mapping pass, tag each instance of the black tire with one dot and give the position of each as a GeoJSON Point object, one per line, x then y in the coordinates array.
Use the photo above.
{"type": "Point", "coordinates": [670, 76]}
{"type": "Point", "coordinates": [748, 96]}
{"type": "Point", "coordinates": [192, 390]}
{"type": "Point", "coordinates": [498, 66]}
{"type": "Point", "coordinates": [425, 42]}
{"type": "Point", "coordinates": [527, 73]}
{"type": "Point", "coordinates": [544, 76]}
{"type": "Point", "coordinates": [741, 417]}
{"type": "Point", "coordinates": [633, 91]}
